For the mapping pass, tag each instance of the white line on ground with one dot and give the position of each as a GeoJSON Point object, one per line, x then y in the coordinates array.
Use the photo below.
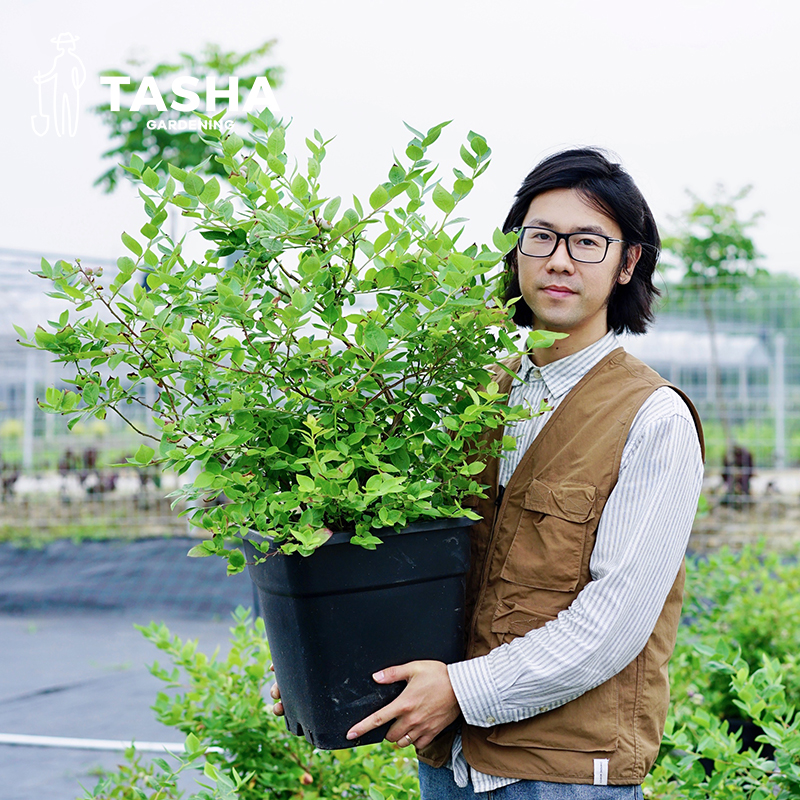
{"type": "Point", "coordinates": [26, 740]}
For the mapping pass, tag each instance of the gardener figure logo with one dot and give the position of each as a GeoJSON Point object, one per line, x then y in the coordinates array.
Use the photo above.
{"type": "Point", "coordinates": [67, 75]}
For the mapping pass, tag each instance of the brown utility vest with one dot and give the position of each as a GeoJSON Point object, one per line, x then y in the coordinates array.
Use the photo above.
{"type": "Point", "coordinates": [530, 560]}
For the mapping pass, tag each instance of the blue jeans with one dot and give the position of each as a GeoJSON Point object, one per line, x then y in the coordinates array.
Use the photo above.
{"type": "Point", "coordinates": [438, 784]}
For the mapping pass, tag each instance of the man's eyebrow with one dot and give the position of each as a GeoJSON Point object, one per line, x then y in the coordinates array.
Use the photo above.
{"type": "Point", "coordinates": [543, 223]}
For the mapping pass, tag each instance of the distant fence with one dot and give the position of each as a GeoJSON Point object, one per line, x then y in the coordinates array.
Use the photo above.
{"type": "Point", "coordinates": [753, 384]}
{"type": "Point", "coordinates": [745, 375]}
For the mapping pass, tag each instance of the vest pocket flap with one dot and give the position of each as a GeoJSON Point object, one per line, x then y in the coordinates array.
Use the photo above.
{"type": "Point", "coordinates": [573, 502]}
{"type": "Point", "coordinates": [514, 619]}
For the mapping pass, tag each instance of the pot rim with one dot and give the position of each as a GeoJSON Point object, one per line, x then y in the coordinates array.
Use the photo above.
{"type": "Point", "coordinates": [343, 537]}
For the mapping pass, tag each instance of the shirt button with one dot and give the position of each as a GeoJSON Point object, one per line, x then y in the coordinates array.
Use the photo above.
{"type": "Point", "coordinates": [490, 720]}
{"type": "Point", "coordinates": [536, 373]}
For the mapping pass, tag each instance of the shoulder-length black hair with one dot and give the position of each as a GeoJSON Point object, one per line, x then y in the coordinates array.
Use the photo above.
{"type": "Point", "coordinates": [607, 187]}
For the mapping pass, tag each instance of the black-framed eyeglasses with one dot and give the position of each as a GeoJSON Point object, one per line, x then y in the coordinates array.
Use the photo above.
{"type": "Point", "coordinates": [588, 248]}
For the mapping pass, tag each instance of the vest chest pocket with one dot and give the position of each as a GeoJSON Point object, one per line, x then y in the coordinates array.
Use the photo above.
{"type": "Point", "coordinates": [547, 550]}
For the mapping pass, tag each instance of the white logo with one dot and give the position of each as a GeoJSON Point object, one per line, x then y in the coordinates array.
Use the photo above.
{"type": "Point", "coordinates": [148, 93]}
{"type": "Point", "coordinates": [65, 77]}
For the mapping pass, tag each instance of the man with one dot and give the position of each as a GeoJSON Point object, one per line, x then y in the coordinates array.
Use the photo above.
{"type": "Point", "coordinates": [576, 580]}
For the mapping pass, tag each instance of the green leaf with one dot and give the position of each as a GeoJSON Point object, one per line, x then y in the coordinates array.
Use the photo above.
{"type": "Point", "coordinates": [280, 436]}
{"type": "Point", "coordinates": [544, 338]}
{"type": "Point", "coordinates": [204, 480]}
{"type": "Point", "coordinates": [232, 143]}
{"type": "Point", "coordinates": [468, 158]}
{"type": "Point", "coordinates": [276, 142]}
{"type": "Point", "coordinates": [149, 231]}
{"type": "Point", "coordinates": [144, 454]}
{"type": "Point", "coordinates": [375, 338]}
{"type": "Point", "coordinates": [126, 264]}
{"type": "Point", "coordinates": [150, 178]}
{"type": "Point", "coordinates": [176, 172]}
{"type": "Point", "coordinates": [414, 152]}
{"type": "Point", "coordinates": [236, 560]}
{"type": "Point", "coordinates": [433, 133]}
{"type": "Point", "coordinates": [193, 184]}
{"type": "Point", "coordinates": [478, 143]}
{"type": "Point", "coordinates": [379, 197]}
{"type": "Point", "coordinates": [136, 163]}
{"type": "Point", "coordinates": [210, 191]}
{"type": "Point", "coordinates": [396, 174]}
{"type": "Point", "coordinates": [299, 186]}
{"type": "Point", "coordinates": [131, 244]}
{"type": "Point", "coordinates": [198, 551]}
{"type": "Point", "coordinates": [305, 483]}
{"type": "Point", "coordinates": [443, 198]}
{"type": "Point", "coordinates": [331, 208]}
{"type": "Point", "coordinates": [150, 258]}
{"type": "Point", "coordinates": [504, 241]}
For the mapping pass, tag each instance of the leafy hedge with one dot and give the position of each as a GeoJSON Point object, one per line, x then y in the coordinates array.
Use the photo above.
{"type": "Point", "coordinates": [736, 661]}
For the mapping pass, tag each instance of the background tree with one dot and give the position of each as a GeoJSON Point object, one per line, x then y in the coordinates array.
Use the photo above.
{"type": "Point", "coordinates": [713, 248]}
{"type": "Point", "coordinates": [184, 149]}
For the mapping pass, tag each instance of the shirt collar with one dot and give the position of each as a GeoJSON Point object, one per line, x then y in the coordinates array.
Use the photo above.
{"type": "Point", "coordinates": [562, 375]}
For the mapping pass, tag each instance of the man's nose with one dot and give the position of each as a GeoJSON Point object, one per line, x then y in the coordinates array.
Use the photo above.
{"type": "Point", "coordinates": [560, 259]}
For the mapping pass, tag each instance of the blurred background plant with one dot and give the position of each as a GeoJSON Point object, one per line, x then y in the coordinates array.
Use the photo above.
{"type": "Point", "coordinates": [186, 149]}
{"type": "Point", "coordinates": [733, 729]}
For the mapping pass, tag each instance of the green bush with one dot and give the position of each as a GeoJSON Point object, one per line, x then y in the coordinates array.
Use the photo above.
{"type": "Point", "coordinates": [702, 759]}
{"type": "Point", "coordinates": [749, 600]}
{"type": "Point", "coordinates": [219, 704]}
{"type": "Point", "coordinates": [736, 658]}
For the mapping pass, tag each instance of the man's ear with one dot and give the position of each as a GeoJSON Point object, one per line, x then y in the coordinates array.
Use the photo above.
{"type": "Point", "coordinates": [632, 259]}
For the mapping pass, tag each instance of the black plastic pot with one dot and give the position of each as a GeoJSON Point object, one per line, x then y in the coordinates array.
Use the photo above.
{"type": "Point", "coordinates": [338, 616]}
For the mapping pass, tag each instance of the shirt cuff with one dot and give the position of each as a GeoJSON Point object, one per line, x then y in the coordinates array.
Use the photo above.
{"type": "Point", "coordinates": [477, 694]}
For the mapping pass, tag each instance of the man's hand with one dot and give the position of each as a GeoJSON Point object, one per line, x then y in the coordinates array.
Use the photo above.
{"type": "Point", "coordinates": [424, 708]}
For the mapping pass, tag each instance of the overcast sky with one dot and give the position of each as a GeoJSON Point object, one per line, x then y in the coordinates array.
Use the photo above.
{"type": "Point", "coordinates": [687, 94]}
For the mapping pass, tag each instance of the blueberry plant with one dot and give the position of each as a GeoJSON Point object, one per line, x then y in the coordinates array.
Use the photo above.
{"type": "Point", "coordinates": [327, 366]}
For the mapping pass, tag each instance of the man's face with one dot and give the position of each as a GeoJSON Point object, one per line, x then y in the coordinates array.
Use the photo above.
{"type": "Point", "coordinates": [566, 295]}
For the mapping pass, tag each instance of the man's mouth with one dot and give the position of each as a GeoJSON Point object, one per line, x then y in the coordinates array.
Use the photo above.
{"type": "Point", "coordinates": [558, 291]}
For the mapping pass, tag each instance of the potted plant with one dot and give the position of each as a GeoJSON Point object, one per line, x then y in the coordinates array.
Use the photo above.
{"type": "Point", "coordinates": [322, 368]}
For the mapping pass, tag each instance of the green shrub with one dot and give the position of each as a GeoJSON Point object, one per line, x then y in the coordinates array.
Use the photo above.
{"type": "Point", "coordinates": [702, 759]}
{"type": "Point", "coordinates": [219, 704]}
{"type": "Point", "coordinates": [736, 657]}
{"type": "Point", "coordinates": [749, 600]}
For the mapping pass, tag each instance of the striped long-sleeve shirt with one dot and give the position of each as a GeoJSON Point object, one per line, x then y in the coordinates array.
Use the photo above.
{"type": "Point", "coordinates": [641, 541]}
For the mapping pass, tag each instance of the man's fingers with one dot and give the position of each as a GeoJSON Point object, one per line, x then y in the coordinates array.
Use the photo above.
{"type": "Point", "coordinates": [393, 674]}
{"type": "Point", "coordinates": [380, 717]}
{"type": "Point", "coordinates": [275, 694]}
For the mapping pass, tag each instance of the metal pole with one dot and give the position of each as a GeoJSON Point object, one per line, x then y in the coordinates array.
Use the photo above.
{"type": "Point", "coordinates": [27, 419]}
{"type": "Point", "coordinates": [780, 402]}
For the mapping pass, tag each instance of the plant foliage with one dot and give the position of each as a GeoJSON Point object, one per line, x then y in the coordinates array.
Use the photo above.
{"type": "Point", "coordinates": [325, 365]}
{"type": "Point", "coordinates": [735, 665]}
